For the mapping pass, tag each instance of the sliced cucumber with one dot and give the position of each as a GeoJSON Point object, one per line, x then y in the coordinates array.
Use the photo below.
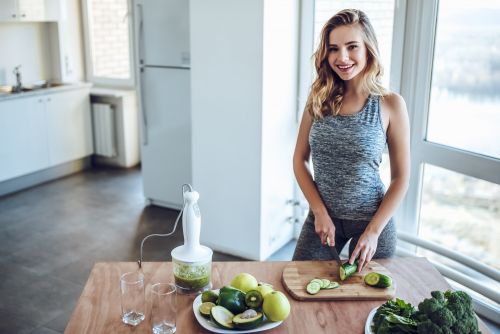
{"type": "Point", "coordinates": [378, 280]}
{"type": "Point", "coordinates": [347, 270]}
{"type": "Point", "coordinates": [222, 317]}
{"type": "Point", "coordinates": [317, 280]}
{"type": "Point", "coordinates": [317, 284]}
{"type": "Point", "coordinates": [313, 287]}
{"type": "Point", "coordinates": [332, 285]}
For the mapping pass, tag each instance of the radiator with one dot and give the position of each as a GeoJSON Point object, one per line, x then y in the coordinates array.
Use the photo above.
{"type": "Point", "coordinates": [103, 116]}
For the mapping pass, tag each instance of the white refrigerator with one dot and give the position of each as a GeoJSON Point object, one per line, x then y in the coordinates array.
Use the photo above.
{"type": "Point", "coordinates": [162, 54]}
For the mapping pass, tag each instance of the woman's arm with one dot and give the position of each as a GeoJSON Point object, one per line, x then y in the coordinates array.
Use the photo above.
{"type": "Point", "coordinates": [323, 223]}
{"type": "Point", "coordinates": [398, 141]}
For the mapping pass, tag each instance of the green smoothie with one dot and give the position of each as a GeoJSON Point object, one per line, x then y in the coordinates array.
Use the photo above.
{"type": "Point", "coordinates": [192, 277]}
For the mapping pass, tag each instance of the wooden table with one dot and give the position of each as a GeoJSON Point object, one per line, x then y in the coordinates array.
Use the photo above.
{"type": "Point", "coordinates": [98, 309]}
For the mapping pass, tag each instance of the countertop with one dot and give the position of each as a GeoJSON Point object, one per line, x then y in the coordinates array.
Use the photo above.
{"type": "Point", "coordinates": [98, 309]}
{"type": "Point", "coordinates": [45, 91]}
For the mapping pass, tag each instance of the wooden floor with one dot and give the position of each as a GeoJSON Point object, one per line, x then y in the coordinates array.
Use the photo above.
{"type": "Point", "coordinates": [51, 235]}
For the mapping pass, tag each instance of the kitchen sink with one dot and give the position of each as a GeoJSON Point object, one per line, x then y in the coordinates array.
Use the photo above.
{"type": "Point", "coordinates": [29, 88]}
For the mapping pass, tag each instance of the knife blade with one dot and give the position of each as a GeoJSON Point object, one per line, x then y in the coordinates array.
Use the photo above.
{"type": "Point", "coordinates": [334, 252]}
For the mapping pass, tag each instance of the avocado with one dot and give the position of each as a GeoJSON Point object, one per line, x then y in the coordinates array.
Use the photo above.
{"type": "Point", "coordinates": [222, 317]}
{"type": "Point", "coordinates": [246, 320]}
{"type": "Point", "coordinates": [232, 299]}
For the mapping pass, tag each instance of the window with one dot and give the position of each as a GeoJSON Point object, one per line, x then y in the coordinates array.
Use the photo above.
{"type": "Point", "coordinates": [451, 85]}
{"type": "Point", "coordinates": [461, 213]}
{"type": "Point", "coordinates": [464, 109]}
{"type": "Point", "coordinates": [108, 42]}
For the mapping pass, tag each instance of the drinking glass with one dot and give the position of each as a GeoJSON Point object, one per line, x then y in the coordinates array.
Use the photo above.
{"type": "Point", "coordinates": [132, 297]}
{"type": "Point", "coordinates": [163, 308]}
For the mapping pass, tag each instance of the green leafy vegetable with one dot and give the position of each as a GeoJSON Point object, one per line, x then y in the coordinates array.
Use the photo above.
{"type": "Point", "coordinates": [450, 312]}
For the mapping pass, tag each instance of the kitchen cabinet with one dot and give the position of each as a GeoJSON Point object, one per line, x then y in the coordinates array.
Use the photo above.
{"type": "Point", "coordinates": [44, 131]}
{"type": "Point", "coordinates": [29, 10]}
{"type": "Point", "coordinates": [23, 137]}
{"type": "Point", "coordinates": [69, 129]}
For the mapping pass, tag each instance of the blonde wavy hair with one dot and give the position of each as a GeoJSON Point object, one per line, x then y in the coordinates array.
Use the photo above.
{"type": "Point", "coordinates": [327, 90]}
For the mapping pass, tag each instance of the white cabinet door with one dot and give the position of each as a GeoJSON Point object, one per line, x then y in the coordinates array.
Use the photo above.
{"type": "Point", "coordinates": [29, 10]}
{"type": "Point", "coordinates": [23, 137]}
{"type": "Point", "coordinates": [68, 126]}
{"type": "Point", "coordinates": [8, 10]}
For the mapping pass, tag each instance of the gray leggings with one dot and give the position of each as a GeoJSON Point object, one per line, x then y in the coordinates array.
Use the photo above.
{"type": "Point", "coordinates": [309, 245]}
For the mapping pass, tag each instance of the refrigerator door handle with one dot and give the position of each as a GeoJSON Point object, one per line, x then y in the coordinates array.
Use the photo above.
{"type": "Point", "coordinates": [141, 75]}
{"type": "Point", "coordinates": [143, 110]}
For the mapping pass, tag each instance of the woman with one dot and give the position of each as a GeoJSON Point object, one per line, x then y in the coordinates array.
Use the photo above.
{"type": "Point", "coordinates": [348, 119]}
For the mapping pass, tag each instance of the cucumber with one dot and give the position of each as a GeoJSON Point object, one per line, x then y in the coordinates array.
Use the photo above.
{"type": "Point", "coordinates": [317, 284]}
{"type": "Point", "coordinates": [318, 280]}
{"type": "Point", "coordinates": [313, 288]}
{"type": "Point", "coordinates": [346, 270]}
{"type": "Point", "coordinates": [332, 285]}
{"type": "Point", "coordinates": [325, 283]}
{"type": "Point", "coordinates": [378, 280]}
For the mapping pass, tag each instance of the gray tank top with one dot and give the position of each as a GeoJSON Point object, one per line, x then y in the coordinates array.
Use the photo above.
{"type": "Point", "coordinates": [346, 153]}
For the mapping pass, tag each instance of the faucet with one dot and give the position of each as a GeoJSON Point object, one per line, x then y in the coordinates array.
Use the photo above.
{"type": "Point", "coordinates": [19, 86]}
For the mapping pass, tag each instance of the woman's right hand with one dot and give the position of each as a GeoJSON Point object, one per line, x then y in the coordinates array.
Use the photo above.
{"type": "Point", "coordinates": [323, 225]}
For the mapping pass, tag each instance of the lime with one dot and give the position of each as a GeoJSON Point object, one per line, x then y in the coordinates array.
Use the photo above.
{"type": "Point", "coordinates": [205, 308]}
{"type": "Point", "coordinates": [209, 296]}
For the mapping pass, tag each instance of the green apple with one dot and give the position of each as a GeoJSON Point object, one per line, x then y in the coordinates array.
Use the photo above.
{"type": "Point", "coordinates": [244, 282]}
{"type": "Point", "coordinates": [276, 306]}
{"type": "Point", "coordinates": [264, 288]}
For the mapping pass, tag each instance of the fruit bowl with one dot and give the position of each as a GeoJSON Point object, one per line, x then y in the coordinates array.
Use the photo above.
{"type": "Point", "coordinates": [209, 325]}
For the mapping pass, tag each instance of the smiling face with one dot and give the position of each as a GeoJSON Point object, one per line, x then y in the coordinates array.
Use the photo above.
{"type": "Point", "coordinates": [347, 54]}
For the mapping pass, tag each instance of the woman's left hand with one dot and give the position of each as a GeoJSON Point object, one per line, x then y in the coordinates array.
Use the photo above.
{"type": "Point", "coordinates": [365, 249]}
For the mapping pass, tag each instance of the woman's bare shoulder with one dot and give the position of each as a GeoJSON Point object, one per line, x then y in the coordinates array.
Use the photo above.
{"type": "Point", "coordinates": [394, 102]}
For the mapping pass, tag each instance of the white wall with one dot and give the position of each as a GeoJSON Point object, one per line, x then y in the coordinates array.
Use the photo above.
{"type": "Point", "coordinates": [27, 44]}
{"type": "Point", "coordinates": [226, 67]}
{"type": "Point", "coordinates": [243, 88]}
{"type": "Point", "coordinates": [279, 126]}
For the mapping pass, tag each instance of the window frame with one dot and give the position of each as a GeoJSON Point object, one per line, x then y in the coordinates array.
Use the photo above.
{"type": "Point", "coordinates": [90, 76]}
{"type": "Point", "coordinates": [416, 80]}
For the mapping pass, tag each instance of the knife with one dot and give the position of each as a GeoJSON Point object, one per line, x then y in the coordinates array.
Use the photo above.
{"type": "Point", "coordinates": [334, 252]}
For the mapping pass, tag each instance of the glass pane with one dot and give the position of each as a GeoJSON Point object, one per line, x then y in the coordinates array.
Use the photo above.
{"type": "Point", "coordinates": [385, 170]}
{"type": "Point", "coordinates": [461, 213]}
{"type": "Point", "coordinates": [381, 15]}
{"type": "Point", "coordinates": [464, 109]}
{"type": "Point", "coordinates": [109, 38]}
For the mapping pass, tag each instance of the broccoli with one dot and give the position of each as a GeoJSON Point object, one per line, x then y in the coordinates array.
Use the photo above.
{"type": "Point", "coordinates": [428, 327]}
{"type": "Point", "coordinates": [443, 317]}
{"type": "Point", "coordinates": [449, 312]}
{"type": "Point", "coordinates": [430, 305]}
{"type": "Point", "coordinates": [438, 295]}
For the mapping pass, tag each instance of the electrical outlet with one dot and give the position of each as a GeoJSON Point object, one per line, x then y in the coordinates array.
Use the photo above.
{"type": "Point", "coordinates": [67, 65]}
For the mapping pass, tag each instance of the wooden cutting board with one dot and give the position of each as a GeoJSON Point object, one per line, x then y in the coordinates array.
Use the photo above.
{"type": "Point", "coordinates": [297, 274]}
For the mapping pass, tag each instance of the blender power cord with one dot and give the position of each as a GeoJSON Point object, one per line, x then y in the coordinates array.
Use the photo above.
{"type": "Point", "coordinates": [186, 185]}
